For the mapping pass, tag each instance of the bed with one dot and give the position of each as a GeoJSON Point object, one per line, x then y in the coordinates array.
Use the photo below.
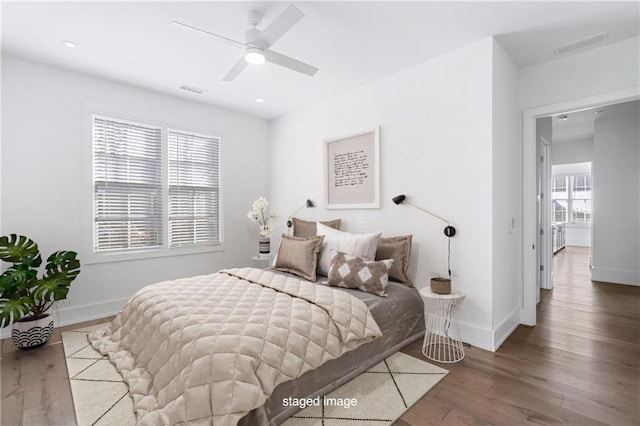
{"type": "Point", "coordinates": [400, 317]}
{"type": "Point", "coordinates": [229, 347]}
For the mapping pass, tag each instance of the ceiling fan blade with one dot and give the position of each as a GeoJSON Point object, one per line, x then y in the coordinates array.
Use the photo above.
{"type": "Point", "coordinates": [288, 62]}
{"type": "Point", "coordinates": [279, 27]}
{"type": "Point", "coordinates": [237, 69]}
{"type": "Point", "coordinates": [186, 27]}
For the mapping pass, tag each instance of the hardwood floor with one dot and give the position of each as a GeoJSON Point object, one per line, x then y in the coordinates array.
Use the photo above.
{"type": "Point", "coordinates": [579, 365]}
{"type": "Point", "coordinates": [35, 384]}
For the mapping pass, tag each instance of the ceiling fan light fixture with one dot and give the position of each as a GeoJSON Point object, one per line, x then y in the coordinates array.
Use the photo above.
{"type": "Point", "coordinates": [254, 55]}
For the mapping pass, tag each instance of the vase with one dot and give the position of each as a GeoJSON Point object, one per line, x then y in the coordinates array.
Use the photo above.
{"type": "Point", "coordinates": [29, 333]}
{"type": "Point", "coordinates": [441, 285]}
{"type": "Point", "coordinates": [264, 246]}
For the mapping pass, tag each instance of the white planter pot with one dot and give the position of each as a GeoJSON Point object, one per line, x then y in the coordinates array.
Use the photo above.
{"type": "Point", "coordinates": [31, 334]}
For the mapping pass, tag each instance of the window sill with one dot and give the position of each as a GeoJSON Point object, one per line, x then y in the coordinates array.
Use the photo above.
{"type": "Point", "coordinates": [94, 258]}
{"type": "Point", "coordinates": [577, 225]}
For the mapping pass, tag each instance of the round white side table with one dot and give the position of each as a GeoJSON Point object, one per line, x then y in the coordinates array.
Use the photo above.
{"type": "Point", "coordinates": [442, 341]}
{"type": "Point", "coordinates": [263, 261]}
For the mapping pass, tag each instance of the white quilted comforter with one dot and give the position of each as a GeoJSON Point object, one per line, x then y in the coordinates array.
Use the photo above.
{"type": "Point", "coordinates": [209, 349]}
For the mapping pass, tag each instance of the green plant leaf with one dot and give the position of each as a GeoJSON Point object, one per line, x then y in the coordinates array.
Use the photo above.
{"type": "Point", "coordinates": [16, 280]}
{"type": "Point", "coordinates": [20, 249]}
{"type": "Point", "coordinates": [62, 269]}
{"type": "Point", "coordinates": [12, 310]}
{"type": "Point", "coordinates": [51, 289]}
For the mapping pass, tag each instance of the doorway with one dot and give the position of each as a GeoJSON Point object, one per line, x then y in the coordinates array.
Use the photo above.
{"type": "Point", "coordinates": [532, 250]}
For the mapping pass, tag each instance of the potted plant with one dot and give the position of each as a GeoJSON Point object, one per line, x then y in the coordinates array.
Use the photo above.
{"type": "Point", "coordinates": [259, 214]}
{"type": "Point", "coordinates": [25, 298]}
{"type": "Point", "coordinates": [441, 285]}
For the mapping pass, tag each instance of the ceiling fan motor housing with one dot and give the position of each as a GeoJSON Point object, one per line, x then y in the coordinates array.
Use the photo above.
{"type": "Point", "coordinates": [255, 18]}
{"type": "Point", "coordinates": [251, 35]}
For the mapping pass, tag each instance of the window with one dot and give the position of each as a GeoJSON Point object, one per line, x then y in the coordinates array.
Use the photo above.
{"type": "Point", "coordinates": [194, 189]}
{"type": "Point", "coordinates": [127, 179]}
{"type": "Point", "coordinates": [571, 195]}
{"type": "Point", "coordinates": [139, 207]}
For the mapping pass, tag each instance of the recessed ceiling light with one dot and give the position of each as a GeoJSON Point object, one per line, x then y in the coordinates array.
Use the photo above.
{"type": "Point", "coordinates": [69, 43]}
{"type": "Point", "coordinates": [563, 117]}
{"type": "Point", "coordinates": [259, 100]}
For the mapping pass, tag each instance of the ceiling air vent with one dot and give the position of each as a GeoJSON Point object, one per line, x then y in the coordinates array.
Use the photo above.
{"type": "Point", "coordinates": [193, 89]}
{"type": "Point", "coordinates": [573, 46]}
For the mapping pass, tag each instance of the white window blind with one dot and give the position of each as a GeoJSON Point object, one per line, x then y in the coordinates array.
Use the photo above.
{"type": "Point", "coordinates": [127, 176]}
{"type": "Point", "coordinates": [194, 189]}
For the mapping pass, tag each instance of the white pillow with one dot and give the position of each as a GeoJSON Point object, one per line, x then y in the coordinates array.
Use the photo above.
{"type": "Point", "coordinates": [359, 245]}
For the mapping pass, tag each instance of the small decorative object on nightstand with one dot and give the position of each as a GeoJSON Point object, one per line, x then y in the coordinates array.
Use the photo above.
{"type": "Point", "coordinates": [260, 215]}
{"type": "Point", "coordinates": [442, 341]}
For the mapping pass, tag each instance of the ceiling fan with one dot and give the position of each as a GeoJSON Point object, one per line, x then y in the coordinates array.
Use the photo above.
{"type": "Point", "coordinates": [258, 43]}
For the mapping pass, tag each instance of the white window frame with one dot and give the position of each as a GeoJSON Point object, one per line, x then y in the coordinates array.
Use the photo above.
{"type": "Point", "coordinates": [570, 179]}
{"type": "Point", "coordinates": [217, 189]}
{"type": "Point", "coordinates": [92, 257]}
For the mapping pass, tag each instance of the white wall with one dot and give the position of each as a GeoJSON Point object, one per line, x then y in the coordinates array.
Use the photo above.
{"type": "Point", "coordinates": [506, 161]}
{"type": "Point", "coordinates": [602, 70]}
{"type": "Point", "coordinates": [435, 123]}
{"type": "Point", "coordinates": [616, 203]}
{"type": "Point", "coordinates": [572, 151]}
{"type": "Point", "coordinates": [604, 74]}
{"type": "Point", "coordinates": [46, 180]}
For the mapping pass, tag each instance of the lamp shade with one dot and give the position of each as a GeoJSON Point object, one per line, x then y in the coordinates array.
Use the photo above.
{"type": "Point", "coordinates": [398, 199]}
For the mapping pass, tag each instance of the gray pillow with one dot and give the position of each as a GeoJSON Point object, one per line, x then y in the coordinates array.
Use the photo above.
{"type": "Point", "coordinates": [298, 256]}
{"type": "Point", "coordinates": [398, 249]}
{"type": "Point", "coordinates": [306, 229]}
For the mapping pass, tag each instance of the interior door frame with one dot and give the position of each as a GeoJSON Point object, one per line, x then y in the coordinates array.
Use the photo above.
{"type": "Point", "coordinates": [544, 240]}
{"type": "Point", "coordinates": [530, 231]}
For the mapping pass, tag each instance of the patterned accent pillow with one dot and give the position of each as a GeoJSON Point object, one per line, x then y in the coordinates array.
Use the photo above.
{"type": "Point", "coordinates": [349, 271]}
{"type": "Point", "coordinates": [298, 256]}
{"type": "Point", "coordinates": [359, 245]}
{"type": "Point", "coordinates": [306, 229]}
{"type": "Point", "coordinates": [398, 249]}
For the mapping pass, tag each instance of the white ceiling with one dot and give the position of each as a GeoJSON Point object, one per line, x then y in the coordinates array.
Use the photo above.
{"type": "Point", "coordinates": [580, 124]}
{"type": "Point", "coordinates": [352, 43]}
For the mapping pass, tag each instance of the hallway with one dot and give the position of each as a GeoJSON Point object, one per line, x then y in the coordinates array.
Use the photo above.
{"type": "Point", "coordinates": [579, 365]}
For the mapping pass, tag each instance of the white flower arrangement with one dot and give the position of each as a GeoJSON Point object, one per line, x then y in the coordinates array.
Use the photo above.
{"type": "Point", "coordinates": [259, 214]}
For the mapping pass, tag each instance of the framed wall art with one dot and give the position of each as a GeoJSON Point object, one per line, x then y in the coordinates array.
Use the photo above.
{"type": "Point", "coordinates": [352, 171]}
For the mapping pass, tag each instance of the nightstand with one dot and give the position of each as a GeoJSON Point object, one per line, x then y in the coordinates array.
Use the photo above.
{"type": "Point", "coordinates": [442, 341]}
{"type": "Point", "coordinates": [263, 261]}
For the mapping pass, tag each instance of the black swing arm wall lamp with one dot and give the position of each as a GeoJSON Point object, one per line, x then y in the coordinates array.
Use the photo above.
{"type": "Point", "coordinates": [307, 204]}
{"type": "Point", "coordinates": [449, 230]}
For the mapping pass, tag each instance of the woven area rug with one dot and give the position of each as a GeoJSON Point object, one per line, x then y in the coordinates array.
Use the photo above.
{"type": "Point", "coordinates": [378, 396]}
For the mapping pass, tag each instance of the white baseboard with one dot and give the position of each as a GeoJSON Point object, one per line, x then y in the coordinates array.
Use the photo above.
{"type": "Point", "coordinates": [76, 314]}
{"type": "Point", "coordinates": [504, 330]}
{"type": "Point", "coordinates": [476, 336]}
{"type": "Point", "coordinates": [489, 340]}
{"type": "Point", "coordinates": [615, 276]}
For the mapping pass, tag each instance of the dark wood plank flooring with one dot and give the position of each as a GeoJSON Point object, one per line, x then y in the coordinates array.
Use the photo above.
{"type": "Point", "coordinates": [579, 365]}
